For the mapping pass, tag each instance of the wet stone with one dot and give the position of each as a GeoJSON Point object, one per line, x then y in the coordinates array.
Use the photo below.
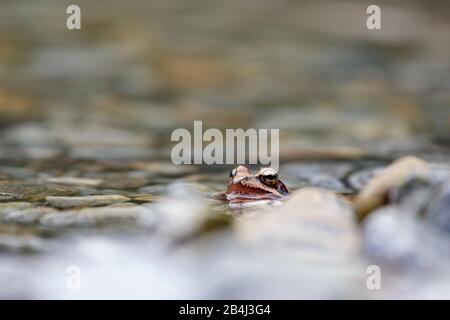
{"type": "Point", "coordinates": [322, 175]}
{"type": "Point", "coordinates": [156, 189]}
{"type": "Point", "coordinates": [390, 236]}
{"type": "Point", "coordinates": [34, 191]}
{"type": "Point", "coordinates": [146, 198]}
{"type": "Point", "coordinates": [67, 202]}
{"type": "Point", "coordinates": [12, 206]}
{"type": "Point", "coordinates": [165, 169]}
{"type": "Point", "coordinates": [311, 241]}
{"type": "Point", "coordinates": [374, 193]}
{"type": "Point", "coordinates": [415, 195]}
{"type": "Point", "coordinates": [116, 215]}
{"type": "Point", "coordinates": [111, 153]}
{"type": "Point", "coordinates": [246, 207]}
{"type": "Point", "coordinates": [87, 191]}
{"type": "Point", "coordinates": [181, 223]}
{"type": "Point", "coordinates": [439, 171]}
{"type": "Point", "coordinates": [16, 172]}
{"type": "Point", "coordinates": [311, 217]}
{"type": "Point", "coordinates": [10, 197]}
{"type": "Point", "coordinates": [65, 219]}
{"type": "Point", "coordinates": [20, 244]}
{"type": "Point", "coordinates": [29, 134]}
{"type": "Point", "coordinates": [438, 211]}
{"type": "Point", "coordinates": [126, 182]}
{"type": "Point", "coordinates": [121, 205]}
{"type": "Point", "coordinates": [425, 197]}
{"type": "Point", "coordinates": [75, 181]}
{"type": "Point", "coordinates": [95, 134]}
{"type": "Point", "coordinates": [108, 192]}
{"type": "Point", "coordinates": [17, 152]}
{"type": "Point", "coordinates": [395, 148]}
{"type": "Point", "coordinates": [93, 217]}
{"type": "Point", "coordinates": [357, 180]}
{"type": "Point", "coordinates": [394, 237]}
{"type": "Point", "coordinates": [27, 215]}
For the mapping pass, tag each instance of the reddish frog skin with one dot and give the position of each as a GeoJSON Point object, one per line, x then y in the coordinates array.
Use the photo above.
{"type": "Point", "coordinates": [264, 185]}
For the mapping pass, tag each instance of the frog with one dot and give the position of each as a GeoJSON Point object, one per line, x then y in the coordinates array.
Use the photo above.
{"type": "Point", "coordinates": [243, 186]}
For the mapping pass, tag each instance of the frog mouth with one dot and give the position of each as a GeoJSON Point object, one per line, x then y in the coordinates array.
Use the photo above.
{"type": "Point", "coordinates": [243, 197]}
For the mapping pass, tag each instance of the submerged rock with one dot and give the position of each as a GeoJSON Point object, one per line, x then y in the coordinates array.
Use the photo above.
{"type": "Point", "coordinates": [182, 211]}
{"type": "Point", "coordinates": [4, 196]}
{"type": "Point", "coordinates": [311, 217]}
{"type": "Point", "coordinates": [27, 215]}
{"type": "Point", "coordinates": [75, 181]}
{"type": "Point", "coordinates": [306, 248]}
{"type": "Point", "coordinates": [146, 198]}
{"type": "Point", "coordinates": [93, 217]}
{"type": "Point", "coordinates": [116, 215]}
{"type": "Point", "coordinates": [34, 191]}
{"type": "Point", "coordinates": [357, 180]}
{"type": "Point", "coordinates": [374, 193]}
{"type": "Point", "coordinates": [246, 207]}
{"type": "Point", "coordinates": [427, 197]}
{"type": "Point", "coordinates": [326, 175]}
{"type": "Point", "coordinates": [409, 231]}
{"type": "Point", "coordinates": [156, 189]}
{"type": "Point", "coordinates": [16, 172]}
{"type": "Point", "coordinates": [12, 206]}
{"type": "Point", "coordinates": [67, 202]}
{"type": "Point", "coordinates": [438, 212]}
{"type": "Point", "coordinates": [66, 219]}
{"type": "Point", "coordinates": [21, 244]}
{"type": "Point", "coordinates": [399, 239]}
{"type": "Point", "coordinates": [415, 195]}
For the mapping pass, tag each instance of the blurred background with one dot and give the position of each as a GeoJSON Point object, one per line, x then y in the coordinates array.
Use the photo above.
{"type": "Point", "coordinates": [90, 112]}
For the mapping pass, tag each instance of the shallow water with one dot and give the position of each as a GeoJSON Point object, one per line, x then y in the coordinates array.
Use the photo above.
{"type": "Point", "coordinates": [90, 113]}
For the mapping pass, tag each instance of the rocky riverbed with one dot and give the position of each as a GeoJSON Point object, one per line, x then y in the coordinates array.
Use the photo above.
{"type": "Point", "coordinates": [88, 189]}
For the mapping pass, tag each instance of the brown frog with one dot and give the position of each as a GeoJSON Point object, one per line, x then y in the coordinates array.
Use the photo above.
{"type": "Point", "coordinates": [264, 185]}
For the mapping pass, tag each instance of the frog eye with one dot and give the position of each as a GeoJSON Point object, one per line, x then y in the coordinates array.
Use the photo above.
{"type": "Point", "coordinates": [233, 173]}
{"type": "Point", "coordinates": [269, 177]}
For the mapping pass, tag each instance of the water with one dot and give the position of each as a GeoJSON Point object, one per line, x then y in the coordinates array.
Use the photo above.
{"type": "Point", "coordinates": [90, 112]}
